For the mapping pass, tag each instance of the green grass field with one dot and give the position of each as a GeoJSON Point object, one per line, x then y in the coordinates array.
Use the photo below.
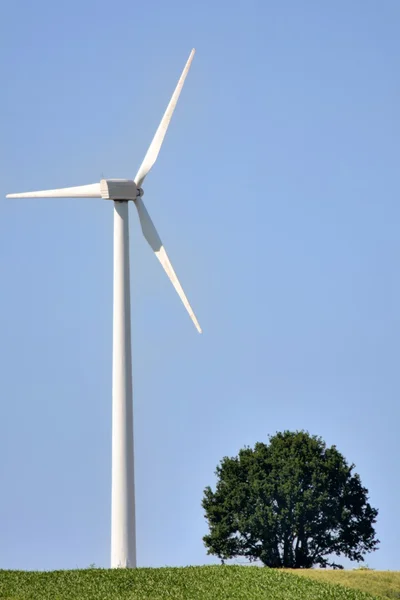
{"type": "Point", "coordinates": [385, 584]}
{"type": "Point", "coordinates": [190, 583]}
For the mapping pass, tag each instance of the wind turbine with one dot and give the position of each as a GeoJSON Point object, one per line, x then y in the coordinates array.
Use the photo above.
{"type": "Point", "coordinates": [121, 191]}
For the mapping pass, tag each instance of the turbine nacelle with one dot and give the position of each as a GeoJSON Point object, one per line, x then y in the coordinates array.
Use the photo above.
{"type": "Point", "coordinates": [120, 189]}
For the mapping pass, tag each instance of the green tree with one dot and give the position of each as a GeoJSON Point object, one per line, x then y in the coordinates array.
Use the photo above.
{"type": "Point", "coordinates": [290, 503]}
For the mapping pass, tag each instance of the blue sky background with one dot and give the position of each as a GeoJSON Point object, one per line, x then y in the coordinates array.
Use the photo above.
{"type": "Point", "coordinates": [276, 195]}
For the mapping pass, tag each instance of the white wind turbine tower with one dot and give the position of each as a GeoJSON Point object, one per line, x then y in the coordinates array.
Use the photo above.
{"type": "Point", "coordinates": [121, 191]}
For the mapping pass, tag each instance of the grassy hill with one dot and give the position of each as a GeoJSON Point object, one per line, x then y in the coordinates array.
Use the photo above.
{"type": "Point", "coordinates": [385, 584]}
{"type": "Point", "coordinates": [189, 583]}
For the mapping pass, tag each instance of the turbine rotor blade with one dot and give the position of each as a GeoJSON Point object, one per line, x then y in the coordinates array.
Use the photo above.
{"type": "Point", "coordinates": [81, 191]}
{"type": "Point", "coordinates": [152, 237]}
{"type": "Point", "coordinates": [154, 148]}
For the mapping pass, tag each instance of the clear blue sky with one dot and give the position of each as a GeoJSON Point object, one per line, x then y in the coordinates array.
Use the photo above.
{"type": "Point", "coordinates": [277, 197]}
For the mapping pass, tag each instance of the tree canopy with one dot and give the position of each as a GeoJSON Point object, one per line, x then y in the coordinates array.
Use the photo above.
{"type": "Point", "coordinates": [290, 503]}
